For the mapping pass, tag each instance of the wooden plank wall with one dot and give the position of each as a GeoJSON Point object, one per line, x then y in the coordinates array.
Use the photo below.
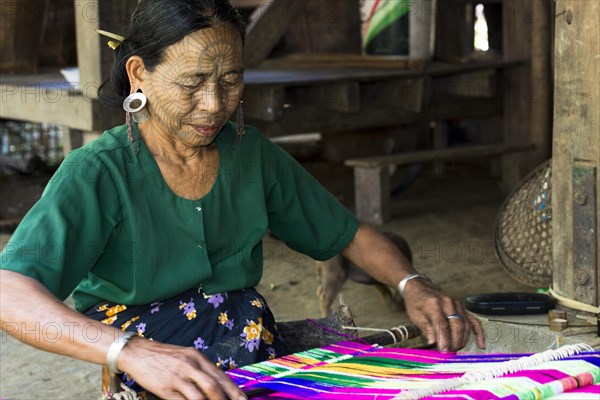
{"type": "Point", "coordinates": [576, 151]}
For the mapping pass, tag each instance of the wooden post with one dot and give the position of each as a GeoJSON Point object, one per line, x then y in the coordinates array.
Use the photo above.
{"type": "Point", "coordinates": [527, 91]}
{"type": "Point", "coordinates": [576, 152]}
{"type": "Point", "coordinates": [541, 80]}
{"type": "Point", "coordinates": [516, 89]}
{"type": "Point", "coordinates": [372, 194]}
{"type": "Point", "coordinates": [88, 43]}
{"type": "Point", "coordinates": [94, 57]}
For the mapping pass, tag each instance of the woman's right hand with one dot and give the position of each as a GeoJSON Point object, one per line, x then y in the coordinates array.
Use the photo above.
{"type": "Point", "coordinates": [168, 371]}
{"type": "Point", "coordinates": [175, 372]}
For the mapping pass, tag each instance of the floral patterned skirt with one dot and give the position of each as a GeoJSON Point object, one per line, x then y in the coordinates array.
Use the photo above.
{"type": "Point", "coordinates": [233, 329]}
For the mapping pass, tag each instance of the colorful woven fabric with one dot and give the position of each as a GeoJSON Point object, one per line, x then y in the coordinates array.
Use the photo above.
{"type": "Point", "coordinates": [350, 370]}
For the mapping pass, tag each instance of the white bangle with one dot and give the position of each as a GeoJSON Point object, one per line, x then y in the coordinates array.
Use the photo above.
{"type": "Point", "coordinates": [407, 278]}
{"type": "Point", "coordinates": [115, 349]}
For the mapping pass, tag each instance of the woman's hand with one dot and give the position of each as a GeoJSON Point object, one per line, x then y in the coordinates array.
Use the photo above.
{"type": "Point", "coordinates": [441, 319]}
{"type": "Point", "coordinates": [171, 372]}
{"type": "Point", "coordinates": [426, 306]}
{"type": "Point", "coordinates": [175, 372]}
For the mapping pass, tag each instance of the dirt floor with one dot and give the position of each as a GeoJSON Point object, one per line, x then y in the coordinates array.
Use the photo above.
{"type": "Point", "coordinates": [448, 223]}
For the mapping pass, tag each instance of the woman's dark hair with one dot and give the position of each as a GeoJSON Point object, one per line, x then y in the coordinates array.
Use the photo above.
{"type": "Point", "coordinates": [157, 24]}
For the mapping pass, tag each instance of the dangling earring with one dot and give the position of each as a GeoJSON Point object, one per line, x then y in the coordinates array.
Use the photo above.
{"type": "Point", "coordinates": [134, 106]}
{"type": "Point", "coordinates": [240, 130]}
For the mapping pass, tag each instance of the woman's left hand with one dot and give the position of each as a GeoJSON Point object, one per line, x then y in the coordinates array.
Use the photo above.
{"type": "Point", "coordinates": [441, 319]}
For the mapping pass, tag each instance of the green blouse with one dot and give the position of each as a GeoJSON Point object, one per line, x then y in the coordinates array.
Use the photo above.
{"type": "Point", "coordinates": [108, 228]}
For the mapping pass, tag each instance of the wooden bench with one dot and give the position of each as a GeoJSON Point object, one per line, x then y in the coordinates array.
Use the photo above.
{"type": "Point", "coordinates": [372, 179]}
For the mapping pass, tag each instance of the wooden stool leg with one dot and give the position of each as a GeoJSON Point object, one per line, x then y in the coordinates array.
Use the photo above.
{"type": "Point", "coordinates": [372, 191]}
{"type": "Point", "coordinates": [440, 141]}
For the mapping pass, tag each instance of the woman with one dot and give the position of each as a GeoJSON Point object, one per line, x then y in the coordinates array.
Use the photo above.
{"type": "Point", "coordinates": [156, 227]}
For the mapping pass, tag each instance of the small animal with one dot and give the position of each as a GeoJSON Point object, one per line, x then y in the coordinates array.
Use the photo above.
{"type": "Point", "coordinates": [332, 274]}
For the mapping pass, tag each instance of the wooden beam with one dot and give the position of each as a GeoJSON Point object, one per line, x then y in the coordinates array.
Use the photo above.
{"type": "Point", "coordinates": [268, 24]}
{"type": "Point", "coordinates": [311, 118]}
{"type": "Point", "coordinates": [576, 152]}
{"type": "Point", "coordinates": [46, 104]}
{"type": "Point", "coordinates": [450, 153]}
{"type": "Point", "coordinates": [372, 180]}
{"type": "Point", "coordinates": [370, 70]}
{"type": "Point", "coordinates": [51, 103]}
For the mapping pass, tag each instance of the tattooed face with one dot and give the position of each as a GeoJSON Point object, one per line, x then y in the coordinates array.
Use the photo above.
{"type": "Point", "coordinates": [197, 86]}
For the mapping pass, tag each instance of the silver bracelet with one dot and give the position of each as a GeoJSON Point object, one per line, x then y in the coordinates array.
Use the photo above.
{"type": "Point", "coordinates": [115, 349]}
{"type": "Point", "coordinates": [407, 278]}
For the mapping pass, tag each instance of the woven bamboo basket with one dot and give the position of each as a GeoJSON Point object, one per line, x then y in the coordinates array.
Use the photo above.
{"type": "Point", "coordinates": [523, 229]}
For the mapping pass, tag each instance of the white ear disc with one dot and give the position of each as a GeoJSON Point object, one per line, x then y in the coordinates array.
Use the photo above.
{"type": "Point", "coordinates": [135, 104]}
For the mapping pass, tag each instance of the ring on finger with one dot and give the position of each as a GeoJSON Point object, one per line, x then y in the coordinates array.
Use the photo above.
{"type": "Point", "coordinates": [453, 316]}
